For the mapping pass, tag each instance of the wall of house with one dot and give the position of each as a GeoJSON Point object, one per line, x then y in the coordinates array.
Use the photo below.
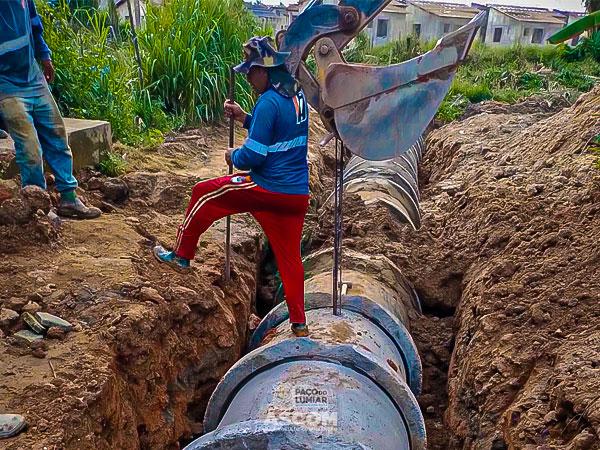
{"type": "Point", "coordinates": [514, 31]}
{"type": "Point", "coordinates": [397, 27]}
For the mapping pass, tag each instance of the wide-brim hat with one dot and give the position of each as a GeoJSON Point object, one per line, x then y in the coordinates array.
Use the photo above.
{"type": "Point", "coordinates": [259, 51]}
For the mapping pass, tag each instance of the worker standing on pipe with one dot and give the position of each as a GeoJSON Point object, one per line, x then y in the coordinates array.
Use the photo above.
{"type": "Point", "coordinates": [274, 186]}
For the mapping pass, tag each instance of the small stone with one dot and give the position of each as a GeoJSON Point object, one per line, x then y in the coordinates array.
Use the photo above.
{"type": "Point", "coordinates": [39, 353]}
{"type": "Point", "coordinates": [46, 290]}
{"type": "Point", "coordinates": [42, 425]}
{"type": "Point", "coordinates": [253, 322]}
{"type": "Point", "coordinates": [77, 328]}
{"type": "Point", "coordinates": [430, 410]}
{"type": "Point", "coordinates": [50, 320]}
{"type": "Point", "coordinates": [115, 189]}
{"type": "Point", "coordinates": [40, 343]}
{"type": "Point", "coordinates": [35, 297]}
{"type": "Point", "coordinates": [26, 337]}
{"type": "Point", "coordinates": [132, 219]}
{"type": "Point", "coordinates": [15, 303]}
{"type": "Point", "coordinates": [537, 314]}
{"type": "Point", "coordinates": [8, 317]}
{"type": "Point", "coordinates": [559, 333]}
{"type": "Point", "coordinates": [31, 307]}
{"type": "Point", "coordinates": [551, 418]}
{"type": "Point", "coordinates": [55, 333]}
{"type": "Point", "coordinates": [8, 189]}
{"type": "Point", "coordinates": [37, 198]}
{"type": "Point", "coordinates": [33, 323]}
{"type": "Point", "coordinates": [225, 340]}
{"type": "Point", "coordinates": [535, 189]}
{"type": "Point", "coordinates": [151, 294]}
{"type": "Point", "coordinates": [583, 441]}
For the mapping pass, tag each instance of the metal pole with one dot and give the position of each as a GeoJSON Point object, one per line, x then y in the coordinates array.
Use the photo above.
{"type": "Point", "coordinates": [341, 228]}
{"type": "Point", "coordinates": [229, 171]}
{"type": "Point", "coordinates": [136, 46]}
{"type": "Point", "coordinates": [336, 235]}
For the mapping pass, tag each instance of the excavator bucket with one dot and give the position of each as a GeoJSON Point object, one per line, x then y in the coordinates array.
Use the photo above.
{"type": "Point", "coordinates": [388, 108]}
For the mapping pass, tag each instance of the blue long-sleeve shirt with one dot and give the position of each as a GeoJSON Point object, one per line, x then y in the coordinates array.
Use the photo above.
{"type": "Point", "coordinates": [21, 43]}
{"type": "Point", "coordinates": [275, 151]}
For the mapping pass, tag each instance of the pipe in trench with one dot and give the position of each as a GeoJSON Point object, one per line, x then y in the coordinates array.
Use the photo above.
{"type": "Point", "coordinates": [352, 384]}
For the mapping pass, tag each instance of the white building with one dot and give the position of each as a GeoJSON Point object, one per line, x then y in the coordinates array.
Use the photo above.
{"type": "Point", "coordinates": [507, 25]}
{"type": "Point", "coordinates": [431, 20]}
{"type": "Point", "coordinates": [390, 24]}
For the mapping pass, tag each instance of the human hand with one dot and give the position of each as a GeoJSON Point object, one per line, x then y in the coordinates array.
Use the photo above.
{"type": "Point", "coordinates": [228, 156]}
{"type": "Point", "coordinates": [48, 69]}
{"type": "Point", "coordinates": [235, 110]}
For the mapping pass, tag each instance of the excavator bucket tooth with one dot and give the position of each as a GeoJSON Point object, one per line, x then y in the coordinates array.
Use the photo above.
{"type": "Point", "coordinates": [388, 108]}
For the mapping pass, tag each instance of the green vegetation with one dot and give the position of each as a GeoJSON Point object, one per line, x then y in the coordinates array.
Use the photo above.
{"type": "Point", "coordinates": [112, 165]}
{"type": "Point", "coordinates": [187, 47]}
{"type": "Point", "coordinates": [506, 74]}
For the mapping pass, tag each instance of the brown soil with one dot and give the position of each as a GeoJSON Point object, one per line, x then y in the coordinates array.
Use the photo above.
{"type": "Point", "coordinates": [152, 342]}
{"type": "Point", "coordinates": [506, 264]}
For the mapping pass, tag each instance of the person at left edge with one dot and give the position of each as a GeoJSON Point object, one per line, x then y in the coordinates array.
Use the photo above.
{"type": "Point", "coordinates": [28, 110]}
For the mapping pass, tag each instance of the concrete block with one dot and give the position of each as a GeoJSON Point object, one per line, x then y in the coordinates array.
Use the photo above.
{"type": "Point", "coordinates": [87, 139]}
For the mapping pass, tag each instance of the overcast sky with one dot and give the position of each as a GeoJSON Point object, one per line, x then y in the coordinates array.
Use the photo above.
{"type": "Point", "coordinates": [571, 5]}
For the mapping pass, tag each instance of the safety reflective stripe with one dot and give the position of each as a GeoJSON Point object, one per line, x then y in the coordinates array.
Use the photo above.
{"type": "Point", "coordinates": [278, 147]}
{"type": "Point", "coordinates": [15, 44]}
{"type": "Point", "coordinates": [256, 146]}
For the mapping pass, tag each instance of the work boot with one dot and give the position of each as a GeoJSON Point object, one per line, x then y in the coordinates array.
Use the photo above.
{"type": "Point", "coordinates": [77, 210]}
{"type": "Point", "coordinates": [165, 256]}
{"type": "Point", "coordinates": [300, 329]}
{"type": "Point", "coordinates": [11, 425]}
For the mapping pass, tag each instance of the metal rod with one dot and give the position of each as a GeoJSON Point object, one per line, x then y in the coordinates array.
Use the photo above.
{"type": "Point", "coordinates": [136, 46]}
{"type": "Point", "coordinates": [336, 262]}
{"type": "Point", "coordinates": [341, 227]}
{"type": "Point", "coordinates": [231, 99]}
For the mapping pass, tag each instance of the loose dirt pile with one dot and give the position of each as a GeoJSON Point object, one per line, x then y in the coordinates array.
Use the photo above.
{"type": "Point", "coordinates": [150, 344]}
{"type": "Point", "coordinates": [506, 264]}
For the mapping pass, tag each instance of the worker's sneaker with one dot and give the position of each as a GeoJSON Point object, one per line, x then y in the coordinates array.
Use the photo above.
{"type": "Point", "coordinates": [165, 256]}
{"type": "Point", "coordinates": [11, 425]}
{"type": "Point", "coordinates": [300, 329]}
{"type": "Point", "coordinates": [77, 210]}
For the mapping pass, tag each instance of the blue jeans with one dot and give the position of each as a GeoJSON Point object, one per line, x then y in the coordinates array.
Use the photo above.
{"type": "Point", "coordinates": [36, 126]}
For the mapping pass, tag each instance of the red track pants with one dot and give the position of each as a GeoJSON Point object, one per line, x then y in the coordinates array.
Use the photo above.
{"type": "Point", "coordinates": [281, 217]}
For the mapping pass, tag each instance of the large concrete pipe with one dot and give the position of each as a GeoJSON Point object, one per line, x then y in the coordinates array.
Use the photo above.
{"type": "Point", "coordinates": [351, 385]}
{"type": "Point", "coordinates": [392, 182]}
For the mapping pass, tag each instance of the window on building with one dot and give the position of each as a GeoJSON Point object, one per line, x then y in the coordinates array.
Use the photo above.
{"type": "Point", "coordinates": [446, 28]}
{"type": "Point", "coordinates": [538, 36]}
{"type": "Point", "coordinates": [526, 31]}
{"type": "Point", "coordinates": [497, 34]}
{"type": "Point", "coordinates": [382, 28]}
{"type": "Point", "coordinates": [417, 29]}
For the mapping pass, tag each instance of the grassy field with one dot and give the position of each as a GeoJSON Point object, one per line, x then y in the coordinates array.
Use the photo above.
{"type": "Point", "coordinates": [505, 74]}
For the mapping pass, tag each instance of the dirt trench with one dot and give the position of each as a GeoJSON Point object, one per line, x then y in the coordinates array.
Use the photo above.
{"type": "Point", "coordinates": [506, 265]}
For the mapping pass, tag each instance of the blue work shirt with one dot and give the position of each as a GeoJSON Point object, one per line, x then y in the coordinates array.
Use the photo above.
{"type": "Point", "coordinates": [21, 43]}
{"type": "Point", "coordinates": [275, 151]}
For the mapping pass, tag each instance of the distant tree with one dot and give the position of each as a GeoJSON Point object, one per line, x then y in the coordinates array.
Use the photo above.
{"type": "Point", "coordinates": [592, 5]}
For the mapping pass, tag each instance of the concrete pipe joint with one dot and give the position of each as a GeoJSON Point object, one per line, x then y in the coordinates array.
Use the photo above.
{"type": "Point", "coordinates": [352, 384]}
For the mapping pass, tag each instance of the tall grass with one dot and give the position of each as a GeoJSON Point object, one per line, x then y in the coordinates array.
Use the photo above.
{"type": "Point", "coordinates": [188, 47]}
{"type": "Point", "coordinates": [505, 74]}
